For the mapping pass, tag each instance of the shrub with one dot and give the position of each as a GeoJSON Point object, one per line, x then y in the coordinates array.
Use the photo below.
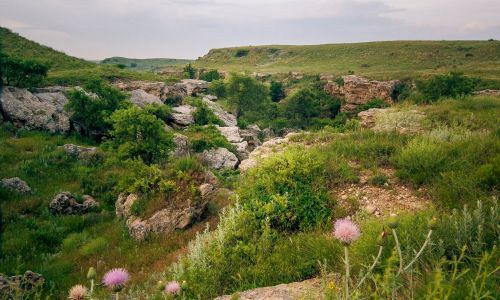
{"type": "Point", "coordinates": [277, 91]}
{"type": "Point", "coordinates": [189, 71]}
{"type": "Point", "coordinates": [241, 52]}
{"type": "Point", "coordinates": [211, 75]}
{"type": "Point", "coordinates": [247, 95]}
{"type": "Point", "coordinates": [141, 178]}
{"type": "Point", "coordinates": [217, 88]}
{"type": "Point", "coordinates": [379, 179]}
{"type": "Point", "coordinates": [91, 115]}
{"type": "Point", "coordinates": [138, 134]}
{"type": "Point", "coordinates": [162, 112]}
{"type": "Point", "coordinates": [451, 85]}
{"type": "Point", "coordinates": [22, 73]}
{"type": "Point", "coordinates": [306, 104]}
{"type": "Point", "coordinates": [203, 115]}
{"type": "Point", "coordinates": [207, 137]}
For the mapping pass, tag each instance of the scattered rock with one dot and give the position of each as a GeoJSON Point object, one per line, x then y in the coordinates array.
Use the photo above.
{"type": "Point", "coordinates": [35, 111]}
{"type": "Point", "coordinates": [358, 91]}
{"type": "Point", "coordinates": [183, 115]}
{"type": "Point", "coordinates": [80, 152]}
{"type": "Point", "coordinates": [158, 89]}
{"type": "Point", "coordinates": [487, 93]}
{"type": "Point", "coordinates": [14, 287]}
{"type": "Point", "coordinates": [368, 117]}
{"type": "Point", "coordinates": [211, 178]}
{"type": "Point", "coordinates": [232, 134]}
{"type": "Point", "coordinates": [181, 143]}
{"type": "Point", "coordinates": [141, 98]}
{"type": "Point", "coordinates": [64, 203]}
{"type": "Point", "coordinates": [227, 118]}
{"type": "Point", "coordinates": [219, 158]}
{"type": "Point", "coordinates": [296, 75]}
{"type": "Point", "coordinates": [16, 184]}
{"type": "Point", "coordinates": [123, 205]}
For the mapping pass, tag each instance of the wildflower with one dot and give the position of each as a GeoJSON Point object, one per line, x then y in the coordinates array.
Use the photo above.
{"type": "Point", "coordinates": [115, 279]}
{"type": "Point", "coordinates": [173, 288]}
{"type": "Point", "coordinates": [346, 231]}
{"type": "Point", "coordinates": [78, 292]}
{"type": "Point", "coordinates": [331, 285]}
{"type": "Point", "coordinates": [91, 274]}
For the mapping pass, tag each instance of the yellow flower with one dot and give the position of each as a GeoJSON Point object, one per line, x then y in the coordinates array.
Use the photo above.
{"type": "Point", "coordinates": [331, 285]}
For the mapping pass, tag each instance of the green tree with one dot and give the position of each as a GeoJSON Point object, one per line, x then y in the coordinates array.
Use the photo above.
{"type": "Point", "coordinates": [277, 91]}
{"type": "Point", "coordinates": [91, 108]}
{"type": "Point", "coordinates": [247, 95]}
{"type": "Point", "coordinates": [139, 134]}
{"type": "Point", "coordinates": [23, 73]}
{"type": "Point", "coordinates": [189, 71]}
{"type": "Point", "coordinates": [451, 85]}
{"type": "Point", "coordinates": [211, 75]}
{"type": "Point", "coordinates": [217, 88]}
{"type": "Point", "coordinates": [302, 107]}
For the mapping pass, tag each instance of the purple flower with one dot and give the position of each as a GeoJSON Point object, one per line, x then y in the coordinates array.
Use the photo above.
{"type": "Point", "coordinates": [173, 288]}
{"type": "Point", "coordinates": [115, 278]}
{"type": "Point", "coordinates": [346, 231]}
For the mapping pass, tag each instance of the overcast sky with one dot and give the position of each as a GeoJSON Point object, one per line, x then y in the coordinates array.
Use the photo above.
{"type": "Point", "coordinates": [96, 29]}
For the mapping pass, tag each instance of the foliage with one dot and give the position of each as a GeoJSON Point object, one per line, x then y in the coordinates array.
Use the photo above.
{"type": "Point", "coordinates": [207, 137]}
{"type": "Point", "coordinates": [217, 88]}
{"type": "Point", "coordinates": [162, 112]}
{"type": "Point", "coordinates": [246, 95]}
{"type": "Point", "coordinates": [91, 114]}
{"type": "Point", "coordinates": [277, 91]}
{"type": "Point", "coordinates": [211, 75]}
{"type": "Point", "coordinates": [451, 85]}
{"type": "Point", "coordinates": [189, 71]}
{"type": "Point", "coordinates": [203, 115]}
{"type": "Point", "coordinates": [241, 52]}
{"type": "Point", "coordinates": [22, 73]}
{"type": "Point", "coordinates": [139, 134]}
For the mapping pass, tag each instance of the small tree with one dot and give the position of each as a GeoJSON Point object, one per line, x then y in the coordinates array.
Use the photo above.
{"type": "Point", "coordinates": [91, 110]}
{"type": "Point", "coordinates": [211, 76]}
{"type": "Point", "coordinates": [247, 95]}
{"type": "Point", "coordinates": [302, 107]}
{"type": "Point", "coordinates": [23, 73]}
{"type": "Point", "coordinates": [139, 134]}
{"type": "Point", "coordinates": [451, 85]}
{"type": "Point", "coordinates": [189, 71]}
{"type": "Point", "coordinates": [277, 91]}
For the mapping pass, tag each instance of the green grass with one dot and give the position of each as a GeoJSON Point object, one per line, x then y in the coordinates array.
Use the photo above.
{"type": "Point", "coordinates": [379, 60]}
{"type": "Point", "coordinates": [146, 64]}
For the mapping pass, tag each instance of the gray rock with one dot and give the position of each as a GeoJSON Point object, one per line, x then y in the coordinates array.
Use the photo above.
{"type": "Point", "coordinates": [181, 143]}
{"type": "Point", "coordinates": [368, 117]}
{"type": "Point", "coordinates": [141, 98]}
{"type": "Point", "coordinates": [192, 87]}
{"type": "Point", "coordinates": [16, 184]}
{"type": "Point", "coordinates": [232, 134]}
{"type": "Point", "coordinates": [64, 203]}
{"type": "Point", "coordinates": [219, 158]}
{"type": "Point", "coordinates": [183, 115]}
{"type": "Point", "coordinates": [227, 118]}
{"type": "Point", "coordinates": [17, 286]}
{"type": "Point", "coordinates": [31, 111]}
{"type": "Point", "coordinates": [80, 152]}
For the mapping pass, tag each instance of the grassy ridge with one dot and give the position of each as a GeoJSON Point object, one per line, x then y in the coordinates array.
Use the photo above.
{"type": "Point", "coordinates": [383, 60]}
{"type": "Point", "coordinates": [147, 64]}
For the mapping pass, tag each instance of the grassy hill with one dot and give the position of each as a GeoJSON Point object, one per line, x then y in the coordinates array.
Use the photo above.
{"type": "Point", "coordinates": [384, 60]}
{"type": "Point", "coordinates": [17, 46]}
{"type": "Point", "coordinates": [147, 64]}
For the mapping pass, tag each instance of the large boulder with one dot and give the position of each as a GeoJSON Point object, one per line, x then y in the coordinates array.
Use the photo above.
{"type": "Point", "coordinates": [65, 203]}
{"type": "Point", "coordinates": [227, 118]}
{"type": "Point", "coordinates": [35, 111]}
{"type": "Point", "coordinates": [232, 134]}
{"type": "Point", "coordinates": [368, 117]}
{"type": "Point", "coordinates": [16, 184]}
{"type": "Point", "coordinates": [219, 158]}
{"type": "Point", "coordinates": [181, 143]}
{"type": "Point", "coordinates": [357, 91]}
{"type": "Point", "coordinates": [156, 88]}
{"type": "Point", "coordinates": [251, 136]}
{"type": "Point", "coordinates": [183, 115]}
{"type": "Point", "coordinates": [192, 87]}
{"type": "Point", "coordinates": [80, 152]}
{"type": "Point", "coordinates": [141, 98]}
{"type": "Point", "coordinates": [20, 286]}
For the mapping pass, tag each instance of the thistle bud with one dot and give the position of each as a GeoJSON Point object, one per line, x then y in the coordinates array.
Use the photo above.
{"type": "Point", "coordinates": [160, 285]}
{"type": "Point", "coordinates": [382, 238]}
{"type": "Point", "coordinates": [393, 222]}
{"type": "Point", "coordinates": [433, 223]}
{"type": "Point", "coordinates": [184, 284]}
{"type": "Point", "coordinates": [91, 274]}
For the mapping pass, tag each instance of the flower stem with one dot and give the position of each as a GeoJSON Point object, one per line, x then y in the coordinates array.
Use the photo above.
{"type": "Point", "coordinates": [117, 296]}
{"type": "Point", "coordinates": [427, 239]}
{"type": "Point", "coordinates": [398, 247]}
{"type": "Point", "coordinates": [347, 272]}
{"type": "Point", "coordinates": [371, 267]}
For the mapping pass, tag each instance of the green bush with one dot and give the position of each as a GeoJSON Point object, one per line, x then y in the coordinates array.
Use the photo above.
{"type": "Point", "coordinates": [211, 75]}
{"type": "Point", "coordinates": [451, 85]}
{"type": "Point", "coordinates": [189, 71]}
{"type": "Point", "coordinates": [217, 88]}
{"type": "Point", "coordinates": [139, 134]}
{"type": "Point", "coordinates": [207, 137]}
{"type": "Point", "coordinates": [307, 104]}
{"type": "Point", "coordinates": [241, 52]}
{"type": "Point", "coordinates": [247, 95]}
{"type": "Point", "coordinates": [22, 73]}
{"type": "Point", "coordinates": [203, 115]}
{"type": "Point", "coordinates": [277, 91]}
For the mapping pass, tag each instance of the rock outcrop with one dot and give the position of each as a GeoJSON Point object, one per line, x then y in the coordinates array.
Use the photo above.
{"type": "Point", "coordinates": [357, 91]}
{"type": "Point", "coordinates": [244, 140]}
{"type": "Point", "coordinates": [219, 158]}
{"type": "Point", "coordinates": [65, 203]}
{"type": "Point", "coordinates": [163, 221]}
{"type": "Point", "coordinates": [192, 87]}
{"type": "Point", "coordinates": [141, 98]}
{"type": "Point", "coordinates": [20, 286]}
{"type": "Point", "coordinates": [43, 111]}
{"type": "Point", "coordinates": [182, 116]}
{"type": "Point", "coordinates": [80, 152]}
{"type": "Point", "coordinates": [227, 118]}
{"type": "Point", "coordinates": [403, 121]}
{"type": "Point", "coordinates": [487, 93]}
{"type": "Point", "coordinates": [181, 143]}
{"type": "Point", "coordinates": [158, 89]}
{"type": "Point", "coordinates": [16, 184]}
{"type": "Point", "coordinates": [368, 117]}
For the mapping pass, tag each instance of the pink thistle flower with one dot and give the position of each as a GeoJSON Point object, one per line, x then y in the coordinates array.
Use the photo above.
{"type": "Point", "coordinates": [173, 288]}
{"type": "Point", "coordinates": [78, 292]}
{"type": "Point", "coordinates": [115, 278]}
{"type": "Point", "coordinates": [346, 231]}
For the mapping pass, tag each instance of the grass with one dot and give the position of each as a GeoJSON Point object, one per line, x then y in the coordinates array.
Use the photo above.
{"type": "Point", "coordinates": [379, 60]}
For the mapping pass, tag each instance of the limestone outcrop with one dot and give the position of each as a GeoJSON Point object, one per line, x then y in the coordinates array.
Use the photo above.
{"type": "Point", "coordinates": [20, 286]}
{"type": "Point", "coordinates": [227, 118]}
{"type": "Point", "coordinates": [219, 158]}
{"type": "Point", "coordinates": [16, 184]}
{"type": "Point", "coordinates": [183, 115]}
{"type": "Point", "coordinates": [65, 203]}
{"type": "Point", "coordinates": [80, 152]}
{"type": "Point", "coordinates": [141, 98]}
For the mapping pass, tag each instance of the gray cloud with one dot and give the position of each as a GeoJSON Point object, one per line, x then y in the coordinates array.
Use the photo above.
{"type": "Point", "coordinates": [189, 28]}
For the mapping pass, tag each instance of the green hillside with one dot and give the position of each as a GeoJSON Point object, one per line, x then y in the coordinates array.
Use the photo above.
{"type": "Point", "coordinates": [20, 47]}
{"type": "Point", "coordinates": [147, 64]}
{"type": "Point", "coordinates": [394, 59]}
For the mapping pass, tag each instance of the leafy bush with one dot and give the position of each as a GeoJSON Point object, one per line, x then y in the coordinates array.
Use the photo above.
{"type": "Point", "coordinates": [162, 112]}
{"type": "Point", "coordinates": [451, 85]}
{"type": "Point", "coordinates": [207, 137]}
{"type": "Point", "coordinates": [136, 133]}
{"type": "Point", "coordinates": [89, 114]}
{"type": "Point", "coordinates": [22, 73]}
{"type": "Point", "coordinates": [189, 71]}
{"type": "Point", "coordinates": [241, 52]}
{"type": "Point", "coordinates": [203, 115]}
{"type": "Point", "coordinates": [307, 104]}
{"type": "Point", "coordinates": [142, 178]}
{"type": "Point", "coordinates": [277, 91]}
{"type": "Point", "coordinates": [211, 75]}
{"type": "Point", "coordinates": [247, 95]}
{"type": "Point", "coordinates": [217, 88]}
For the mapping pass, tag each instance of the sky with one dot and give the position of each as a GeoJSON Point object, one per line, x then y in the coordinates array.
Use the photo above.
{"type": "Point", "coordinates": [96, 29]}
